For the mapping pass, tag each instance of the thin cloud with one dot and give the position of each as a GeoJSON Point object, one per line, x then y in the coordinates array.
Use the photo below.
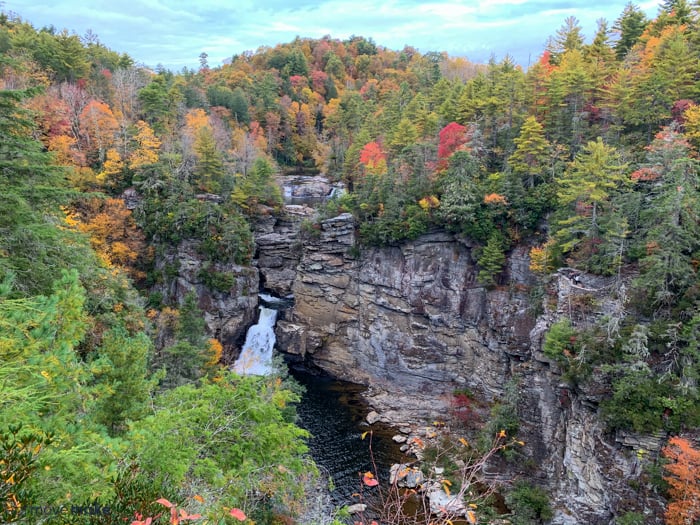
{"type": "Point", "coordinates": [174, 32]}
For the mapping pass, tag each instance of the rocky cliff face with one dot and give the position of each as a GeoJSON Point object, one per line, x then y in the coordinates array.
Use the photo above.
{"type": "Point", "coordinates": [229, 311]}
{"type": "Point", "coordinates": [413, 323]}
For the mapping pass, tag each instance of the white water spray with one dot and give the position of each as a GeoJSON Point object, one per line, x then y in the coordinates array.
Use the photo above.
{"type": "Point", "coordinates": [256, 356]}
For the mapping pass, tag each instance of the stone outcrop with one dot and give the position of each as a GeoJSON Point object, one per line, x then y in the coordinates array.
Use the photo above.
{"type": "Point", "coordinates": [413, 323]}
{"type": "Point", "coordinates": [278, 248]}
{"type": "Point", "coordinates": [227, 312]}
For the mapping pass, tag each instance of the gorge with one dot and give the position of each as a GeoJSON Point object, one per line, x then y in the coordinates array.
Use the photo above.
{"type": "Point", "coordinates": [412, 324]}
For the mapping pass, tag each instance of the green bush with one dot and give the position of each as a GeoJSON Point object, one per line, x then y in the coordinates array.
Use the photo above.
{"type": "Point", "coordinates": [529, 504]}
{"type": "Point", "coordinates": [560, 339]}
{"type": "Point", "coordinates": [217, 281]}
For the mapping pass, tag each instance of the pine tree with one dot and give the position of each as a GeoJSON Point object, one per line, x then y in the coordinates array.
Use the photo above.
{"type": "Point", "coordinates": [532, 152]}
{"type": "Point", "coordinates": [630, 26]}
{"type": "Point", "coordinates": [587, 186]}
{"type": "Point", "coordinates": [209, 170]}
{"type": "Point", "coordinates": [491, 260]}
{"type": "Point", "coordinates": [670, 219]}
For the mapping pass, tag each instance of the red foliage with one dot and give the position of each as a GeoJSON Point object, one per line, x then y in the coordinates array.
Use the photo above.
{"type": "Point", "coordinates": [238, 514]}
{"type": "Point", "coordinates": [372, 156]}
{"type": "Point", "coordinates": [645, 174]}
{"type": "Point", "coordinates": [298, 82]}
{"type": "Point", "coordinates": [369, 479]}
{"type": "Point", "coordinates": [679, 107]}
{"type": "Point", "coordinates": [545, 61]}
{"type": "Point", "coordinates": [453, 137]}
{"type": "Point", "coordinates": [318, 81]}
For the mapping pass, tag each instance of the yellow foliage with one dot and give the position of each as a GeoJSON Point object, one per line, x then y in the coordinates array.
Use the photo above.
{"type": "Point", "coordinates": [691, 117]}
{"type": "Point", "coordinates": [215, 351]}
{"type": "Point", "coordinates": [195, 120]}
{"type": "Point", "coordinates": [113, 233]}
{"type": "Point", "coordinates": [429, 203]}
{"type": "Point", "coordinates": [541, 258]}
{"type": "Point", "coordinates": [147, 152]}
{"type": "Point", "coordinates": [64, 150]}
{"type": "Point", "coordinates": [112, 167]}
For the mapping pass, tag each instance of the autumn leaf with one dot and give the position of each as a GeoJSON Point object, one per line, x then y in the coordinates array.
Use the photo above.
{"type": "Point", "coordinates": [471, 516]}
{"type": "Point", "coordinates": [238, 514]}
{"type": "Point", "coordinates": [495, 198]}
{"type": "Point", "coordinates": [199, 498]}
{"type": "Point", "coordinates": [164, 502]}
{"type": "Point", "coordinates": [369, 479]}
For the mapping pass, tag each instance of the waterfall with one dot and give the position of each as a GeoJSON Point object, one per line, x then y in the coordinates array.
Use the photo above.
{"type": "Point", "coordinates": [256, 356]}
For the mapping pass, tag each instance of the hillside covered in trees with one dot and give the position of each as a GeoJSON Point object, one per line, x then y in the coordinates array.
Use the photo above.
{"type": "Point", "coordinates": [114, 394]}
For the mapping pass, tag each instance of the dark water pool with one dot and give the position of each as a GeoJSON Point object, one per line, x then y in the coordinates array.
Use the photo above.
{"type": "Point", "coordinates": [333, 412]}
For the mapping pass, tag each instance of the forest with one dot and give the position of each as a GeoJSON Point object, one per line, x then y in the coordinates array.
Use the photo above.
{"type": "Point", "coordinates": [116, 396]}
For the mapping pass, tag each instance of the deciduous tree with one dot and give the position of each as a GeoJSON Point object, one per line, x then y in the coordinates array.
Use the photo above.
{"type": "Point", "coordinates": [683, 476]}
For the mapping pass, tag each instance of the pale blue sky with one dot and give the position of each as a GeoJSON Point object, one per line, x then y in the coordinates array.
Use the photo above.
{"type": "Point", "coordinates": [174, 32]}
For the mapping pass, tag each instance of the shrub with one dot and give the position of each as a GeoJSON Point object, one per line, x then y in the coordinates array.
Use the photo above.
{"type": "Point", "coordinates": [529, 504]}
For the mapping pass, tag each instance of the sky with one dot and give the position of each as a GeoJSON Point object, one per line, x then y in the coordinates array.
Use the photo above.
{"type": "Point", "coordinates": [173, 33]}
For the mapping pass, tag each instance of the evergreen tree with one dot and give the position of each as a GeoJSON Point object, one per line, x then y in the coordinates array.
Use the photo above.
{"type": "Point", "coordinates": [532, 152]}
{"type": "Point", "coordinates": [209, 170]}
{"type": "Point", "coordinates": [670, 219]}
{"type": "Point", "coordinates": [630, 26]}
{"type": "Point", "coordinates": [586, 187]}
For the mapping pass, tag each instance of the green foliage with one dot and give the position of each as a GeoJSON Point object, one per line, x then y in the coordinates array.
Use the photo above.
{"type": "Point", "coordinates": [228, 439]}
{"type": "Point", "coordinates": [217, 281]}
{"type": "Point", "coordinates": [461, 203]}
{"type": "Point", "coordinates": [631, 518]}
{"type": "Point", "coordinates": [46, 388]}
{"type": "Point", "coordinates": [233, 100]}
{"type": "Point", "coordinates": [223, 234]}
{"type": "Point", "coordinates": [560, 340]}
{"type": "Point", "coordinates": [643, 403]}
{"type": "Point", "coordinates": [257, 188]}
{"type": "Point", "coordinates": [529, 504]}
{"type": "Point", "coordinates": [121, 379]}
{"type": "Point", "coordinates": [588, 185]}
{"type": "Point", "coordinates": [19, 450]}
{"type": "Point", "coordinates": [503, 417]}
{"type": "Point", "coordinates": [670, 232]}
{"type": "Point", "coordinates": [209, 169]}
{"type": "Point", "coordinates": [491, 260]}
{"type": "Point", "coordinates": [630, 24]}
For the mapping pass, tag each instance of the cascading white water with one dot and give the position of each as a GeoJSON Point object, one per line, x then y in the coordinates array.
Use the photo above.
{"type": "Point", "coordinates": [256, 356]}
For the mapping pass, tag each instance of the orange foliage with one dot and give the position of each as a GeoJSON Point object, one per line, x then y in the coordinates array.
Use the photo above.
{"type": "Point", "coordinates": [65, 150]}
{"type": "Point", "coordinates": [495, 198]}
{"type": "Point", "coordinates": [98, 126]}
{"type": "Point", "coordinates": [195, 120]}
{"type": "Point", "coordinates": [684, 481]}
{"type": "Point", "coordinates": [113, 233]}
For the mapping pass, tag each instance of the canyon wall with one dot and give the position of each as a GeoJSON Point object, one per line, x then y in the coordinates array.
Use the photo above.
{"type": "Point", "coordinates": [413, 323]}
